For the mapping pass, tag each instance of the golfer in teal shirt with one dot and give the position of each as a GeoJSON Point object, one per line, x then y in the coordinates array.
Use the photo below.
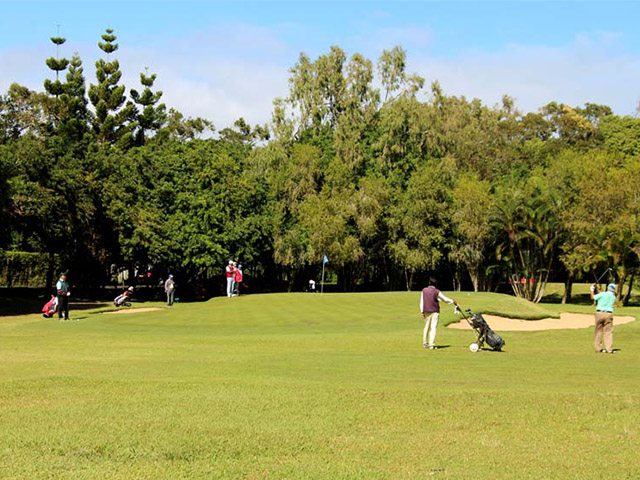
{"type": "Point", "coordinates": [604, 317]}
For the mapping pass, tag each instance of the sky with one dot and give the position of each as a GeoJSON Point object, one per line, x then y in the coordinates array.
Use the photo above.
{"type": "Point", "coordinates": [225, 60]}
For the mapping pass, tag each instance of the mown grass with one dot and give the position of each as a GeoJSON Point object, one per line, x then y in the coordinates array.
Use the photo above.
{"type": "Point", "coordinates": [310, 387]}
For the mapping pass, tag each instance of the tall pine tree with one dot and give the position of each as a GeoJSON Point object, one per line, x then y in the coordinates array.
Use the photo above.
{"type": "Point", "coordinates": [68, 109]}
{"type": "Point", "coordinates": [76, 114]}
{"type": "Point", "coordinates": [52, 106]}
{"type": "Point", "coordinates": [111, 123]}
{"type": "Point", "coordinates": [151, 118]}
{"type": "Point", "coordinates": [58, 65]}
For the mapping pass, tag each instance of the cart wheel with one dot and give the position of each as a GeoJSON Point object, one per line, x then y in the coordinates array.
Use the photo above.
{"type": "Point", "coordinates": [474, 347]}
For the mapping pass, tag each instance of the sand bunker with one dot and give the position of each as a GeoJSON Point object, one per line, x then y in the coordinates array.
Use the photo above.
{"type": "Point", "coordinates": [134, 310]}
{"type": "Point", "coordinates": [566, 321]}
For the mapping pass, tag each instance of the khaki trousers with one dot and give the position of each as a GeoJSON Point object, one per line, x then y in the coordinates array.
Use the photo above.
{"type": "Point", "coordinates": [430, 325]}
{"type": "Point", "coordinates": [604, 325]}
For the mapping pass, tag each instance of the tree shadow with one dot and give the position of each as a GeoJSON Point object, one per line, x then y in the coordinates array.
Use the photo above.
{"type": "Point", "coordinates": [16, 307]}
{"type": "Point", "coordinates": [576, 299]}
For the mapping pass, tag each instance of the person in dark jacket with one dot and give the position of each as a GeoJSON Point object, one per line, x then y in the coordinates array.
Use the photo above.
{"type": "Point", "coordinates": [62, 288]}
{"type": "Point", "coordinates": [430, 309]}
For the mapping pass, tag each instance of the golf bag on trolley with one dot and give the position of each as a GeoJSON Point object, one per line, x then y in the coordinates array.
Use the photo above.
{"type": "Point", "coordinates": [484, 332]}
{"type": "Point", "coordinates": [50, 308]}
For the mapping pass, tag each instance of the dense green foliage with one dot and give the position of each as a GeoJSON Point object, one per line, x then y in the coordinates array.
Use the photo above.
{"type": "Point", "coordinates": [300, 386]}
{"type": "Point", "coordinates": [361, 162]}
{"type": "Point", "coordinates": [25, 269]}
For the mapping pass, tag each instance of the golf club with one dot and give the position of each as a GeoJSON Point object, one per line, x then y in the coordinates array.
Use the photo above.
{"type": "Point", "coordinates": [603, 274]}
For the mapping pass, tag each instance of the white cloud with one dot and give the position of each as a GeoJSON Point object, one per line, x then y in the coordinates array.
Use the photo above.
{"type": "Point", "coordinates": [23, 65]}
{"type": "Point", "coordinates": [411, 37]}
{"type": "Point", "coordinates": [220, 74]}
{"type": "Point", "coordinates": [231, 71]}
{"type": "Point", "coordinates": [231, 91]}
{"type": "Point", "coordinates": [590, 69]}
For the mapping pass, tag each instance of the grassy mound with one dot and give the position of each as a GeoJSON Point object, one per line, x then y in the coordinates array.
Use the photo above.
{"type": "Point", "coordinates": [303, 386]}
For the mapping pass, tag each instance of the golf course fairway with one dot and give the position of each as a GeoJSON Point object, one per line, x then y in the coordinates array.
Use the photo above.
{"type": "Point", "coordinates": [302, 386]}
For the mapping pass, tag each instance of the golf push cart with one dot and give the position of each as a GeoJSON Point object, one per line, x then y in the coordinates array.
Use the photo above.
{"type": "Point", "coordinates": [484, 332]}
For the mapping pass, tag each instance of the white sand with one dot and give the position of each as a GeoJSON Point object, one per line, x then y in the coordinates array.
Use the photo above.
{"type": "Point", "coordinates": [566, 321]}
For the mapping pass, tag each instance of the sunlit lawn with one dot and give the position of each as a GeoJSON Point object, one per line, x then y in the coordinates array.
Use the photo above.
{"type": "Point", "coordinates": [304, 386]}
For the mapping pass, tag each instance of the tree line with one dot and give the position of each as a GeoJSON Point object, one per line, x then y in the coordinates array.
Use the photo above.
{"type": "Point", "coordinates": [363, 161]}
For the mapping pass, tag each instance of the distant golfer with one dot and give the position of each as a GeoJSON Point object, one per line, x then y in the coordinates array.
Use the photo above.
{"type": "Point", "coordinates": [122, 300]}
{"type": "Point", "coordinates": [231, 274]}
{"type": "Point", "coordinates": [604, 317]}
{"type": "Point", "coordinates": [170, 290]}
{"type": "Point", "coordinates": [430, 310]}
{"type": "Point", "coordinates": [237, 280]}
{"type": "Point", "coordinates": [62, 287]}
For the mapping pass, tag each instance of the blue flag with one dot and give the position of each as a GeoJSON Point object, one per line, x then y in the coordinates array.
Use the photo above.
{"type": "Point", "coordinates": [325, 260]}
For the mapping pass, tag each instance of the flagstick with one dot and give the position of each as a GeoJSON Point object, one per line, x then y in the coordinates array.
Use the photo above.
{"type": "Point", "coordinates": [322, 283]}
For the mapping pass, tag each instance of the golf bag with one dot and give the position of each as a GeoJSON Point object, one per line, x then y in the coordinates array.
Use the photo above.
{"type": "Point", "coordinates": [50, 308]}
{"type": "Point", "coordinates": [485, 334]}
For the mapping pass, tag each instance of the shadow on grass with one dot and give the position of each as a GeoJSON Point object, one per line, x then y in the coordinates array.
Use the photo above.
{"type": "Point", "coordinates": [12, 307]}
{"type": "Point", "coordinates": [581, 299]}
{"type": "Point", "coordinates": [72, 318]}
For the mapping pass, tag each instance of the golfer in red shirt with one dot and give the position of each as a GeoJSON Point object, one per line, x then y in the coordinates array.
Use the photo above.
{"type": "Point", "coordinates": [231, 273]}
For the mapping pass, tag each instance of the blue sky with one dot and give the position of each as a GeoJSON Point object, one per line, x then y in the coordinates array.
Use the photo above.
{"type": "Point", "coordinates": [223, 60]}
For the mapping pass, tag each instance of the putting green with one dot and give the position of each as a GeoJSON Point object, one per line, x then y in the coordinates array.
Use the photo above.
{"type": "Point", "coordinates": [310, 387]}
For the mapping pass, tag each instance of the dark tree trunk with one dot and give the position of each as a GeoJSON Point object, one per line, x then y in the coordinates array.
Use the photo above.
{"type": "Point", "coordinates": [568, 284]}
{"type": "Point", "coordinates": [623, 278]}
{"type": "Point", "coordinates": [627, 297]}
{"type": "Point", "coordinates": [131, 275]}
{"type": "Point", "coordinates": [291, 280]}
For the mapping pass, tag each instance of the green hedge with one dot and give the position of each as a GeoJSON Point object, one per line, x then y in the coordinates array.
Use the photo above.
{"type": "Point", "coordinates": [24, 269]}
